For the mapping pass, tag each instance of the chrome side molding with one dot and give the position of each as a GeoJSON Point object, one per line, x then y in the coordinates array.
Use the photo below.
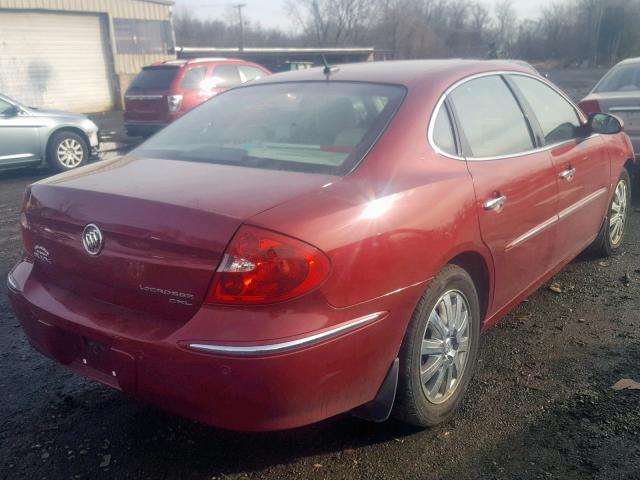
{"type": "Point", "coordinates": [582, 203]}
{"type": "Point", "coordinates": [555, 219]}
{"type": "Point", "coordinates": [274, 348]}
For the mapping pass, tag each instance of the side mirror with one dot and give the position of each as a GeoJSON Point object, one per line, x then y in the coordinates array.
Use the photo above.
{"type": "Point", "coordinates": [605, 124]}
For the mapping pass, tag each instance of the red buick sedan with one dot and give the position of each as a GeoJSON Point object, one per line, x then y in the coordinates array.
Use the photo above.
{"type": "Point", "coordinates": [320, 241]}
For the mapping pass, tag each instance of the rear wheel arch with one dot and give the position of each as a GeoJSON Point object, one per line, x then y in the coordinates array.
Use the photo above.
{"type": "Point", "coordinates": [478, 269]}
{"type": "Point", "coordinates": [633, 168]}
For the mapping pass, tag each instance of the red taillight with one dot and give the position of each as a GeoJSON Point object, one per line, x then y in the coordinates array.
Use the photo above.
{"type": "Point", "coordinates": [589, 107]}
{"type": "Point", "coordinates": [261, 267]}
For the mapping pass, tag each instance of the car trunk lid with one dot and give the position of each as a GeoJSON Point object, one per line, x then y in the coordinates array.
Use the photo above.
{"type": "Point", "coordinates": [625, 105]}
{"type": "Point", "coordinates": [165, 226]}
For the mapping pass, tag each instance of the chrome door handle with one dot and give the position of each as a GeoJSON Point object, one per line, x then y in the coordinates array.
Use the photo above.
{"type": "Point", "coordinates": [495, 203]}
{"type": "Point", "coordinates": [568, 174]}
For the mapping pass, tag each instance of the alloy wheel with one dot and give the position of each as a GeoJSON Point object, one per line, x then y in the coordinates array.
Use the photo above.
{"type": "Point", "coordinates": [445, 346]}
{"type": "Point", "coordinates": [618, 214]}
{"type": "Point", "coordinates": [70, 153]}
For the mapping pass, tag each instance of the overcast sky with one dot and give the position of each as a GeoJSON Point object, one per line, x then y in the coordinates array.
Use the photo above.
{"type": "Point", "coordinates": [271, 13]}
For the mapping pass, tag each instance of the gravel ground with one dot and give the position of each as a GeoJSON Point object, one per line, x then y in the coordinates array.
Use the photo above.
{"type": "Point", "coordinates": [541, 405]}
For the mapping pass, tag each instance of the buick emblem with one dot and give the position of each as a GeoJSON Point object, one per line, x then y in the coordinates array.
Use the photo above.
{"type": "Point", "coordinates": [92, 239]}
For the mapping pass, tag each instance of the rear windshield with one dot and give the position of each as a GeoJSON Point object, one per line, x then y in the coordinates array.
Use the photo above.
{"type": "Point", "coordinates": [625, 78]}
{"type": "Point", "coordinates": [154, 78]}
{"type": "Point", "coordinates": [320, 127]}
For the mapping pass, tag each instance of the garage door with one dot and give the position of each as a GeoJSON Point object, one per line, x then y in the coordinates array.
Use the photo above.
{"type": "Point", "coordinates": [55, 60]}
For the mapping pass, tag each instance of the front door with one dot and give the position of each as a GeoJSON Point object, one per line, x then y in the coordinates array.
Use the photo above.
{"type": "Point", "coordinates": [515, 184]}
{"type": "Point", "coordinates": [581, 165]}
{"type": "Point", "coordinates": [19, 141]}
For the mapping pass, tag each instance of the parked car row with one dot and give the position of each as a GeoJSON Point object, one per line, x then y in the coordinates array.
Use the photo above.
{"type": "Point", "coordinates": [164, 91]}
{"type": "Point", "coordinates": [320, 241]}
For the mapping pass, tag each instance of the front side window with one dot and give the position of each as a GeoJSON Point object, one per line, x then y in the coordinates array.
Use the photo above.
{"type": "Point", "coordinates": [193, 78]}
{"type": "Point", "coordinates": [490, 118]}
{"type": "Point", "coordinates": [624, 78]}
{"type": "Point", "coordinates": [557, 117]}
{"type": "Point", "coordinates": [143, 36]}
{"type": "Point", "coordinates": [225, 76]}
{"type": "Point", "coordinates": [5, 107]}
{"type": "Point", "coordinates": [316, 127]}
{"type": "Point", "coordinates": [250, 73]}
{"type": "Point", "coordinates": [443, 132]}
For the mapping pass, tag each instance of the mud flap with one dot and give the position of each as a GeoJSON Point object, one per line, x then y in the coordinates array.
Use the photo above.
{"type": "Point", "coordinates": [379, 409]}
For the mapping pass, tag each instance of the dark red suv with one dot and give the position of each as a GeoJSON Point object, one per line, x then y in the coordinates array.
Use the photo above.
{"type": "Point", "coordinates": [162, 92]}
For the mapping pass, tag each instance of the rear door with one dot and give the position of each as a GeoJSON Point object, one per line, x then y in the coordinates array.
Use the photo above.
{"type": "Point", "coordinates": [581, 164]}
{"type": "Point", "coordinates": [515, 184]}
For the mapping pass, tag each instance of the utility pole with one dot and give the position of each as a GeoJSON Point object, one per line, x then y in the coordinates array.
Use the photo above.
{"type": "Point", "coordinates": [240, 6]}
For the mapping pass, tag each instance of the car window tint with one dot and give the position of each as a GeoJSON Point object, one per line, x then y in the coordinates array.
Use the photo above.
{"type": "Point", "coordinates": [557, 117]}
{"type": "Point", "coordinates": [193, 78]}
{"type": "Point", "coordinates": [154, 79]}
{"type": "Point", "coordinates": [251, 73]}
{"type": "Point", "coordinates": [226, 76]}
{"type": "Point", "coordinates": [624, 78]}
{"type": "Point", "coordinates": [321, 127]}
{"type": "Point", "coordinates": [443, 132]}
{"type": "Point", "coordinates": [5, 107]}
{"type": "Point", "coordinates": [490, 118]}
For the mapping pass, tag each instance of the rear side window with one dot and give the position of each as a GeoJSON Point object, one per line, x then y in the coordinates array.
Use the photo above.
{"type": "Point", "coordinates": [315, 127]}
{"type": "Point", "coordinates": [154, 78]}
{"type": "Point", "coordinates": [558, 119]}
{"type": "Point", "coordinates": [490, 118]}
{"type": "Point", "coordinates": [625, 78]}
{"type": "Point", "coordinates": [443, 132]}
{"type": "Point", "coordinates": [250, 73]}
{"type": "Point", "coordinates": [193, 78]}
{"type": "Point", "coordinates": [225, 76]}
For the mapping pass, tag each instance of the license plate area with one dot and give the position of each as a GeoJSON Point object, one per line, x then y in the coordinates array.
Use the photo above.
{"type": "Point", "coordinates": [106, 364]}
{"type": "Point", "coordinates": [96, 355]}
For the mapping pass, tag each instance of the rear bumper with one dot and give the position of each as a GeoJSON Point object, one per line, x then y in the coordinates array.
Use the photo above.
{"type": "Point", "coordinates": [143, 129]}
{"type": "Point", "coordinates": [94, 142]}
{"type": "Point", "coordinates": [262, 386]}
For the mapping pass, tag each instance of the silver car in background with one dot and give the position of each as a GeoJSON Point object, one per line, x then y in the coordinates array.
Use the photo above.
{"type": "Point", "coordinates": [31, 136]}
{"type": "Point", "coordinates": [618, 93]}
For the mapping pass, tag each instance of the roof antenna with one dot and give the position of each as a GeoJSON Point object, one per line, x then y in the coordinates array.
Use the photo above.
{"type": "Point", "coordinates": [328, 69]}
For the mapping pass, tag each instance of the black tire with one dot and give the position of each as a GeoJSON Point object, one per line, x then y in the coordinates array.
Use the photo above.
{"type": "Point", "coordinates": [604, 245]}
{"type": "Point", "coordinates": [412, 405]}
{"type": "Point", "coordinates": [80, 148]}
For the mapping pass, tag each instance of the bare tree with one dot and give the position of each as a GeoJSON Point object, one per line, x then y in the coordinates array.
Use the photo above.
{"type": "Point", "coordinates": [569, 32]}
{"type": "Point", "coordinates": [506, 19]}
